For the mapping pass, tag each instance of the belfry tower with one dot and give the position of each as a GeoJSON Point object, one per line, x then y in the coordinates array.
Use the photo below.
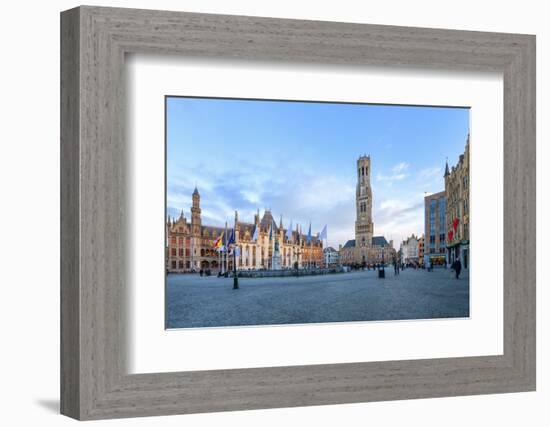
{"type": "Point", "coordinates": [363, 201]}
{"type": "Point", "coordinates": [196, 214]}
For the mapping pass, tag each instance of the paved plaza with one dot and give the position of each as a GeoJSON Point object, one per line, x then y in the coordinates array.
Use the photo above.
{"type": "Point", "coordinates": [195, 301]}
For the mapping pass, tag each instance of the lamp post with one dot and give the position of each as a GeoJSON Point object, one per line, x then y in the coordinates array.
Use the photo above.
{"type": "Point", "coordinates": [235, 278]}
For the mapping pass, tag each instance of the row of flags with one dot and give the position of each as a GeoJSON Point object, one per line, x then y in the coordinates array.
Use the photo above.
{"type": "Point", "coordinates": [221, 244]}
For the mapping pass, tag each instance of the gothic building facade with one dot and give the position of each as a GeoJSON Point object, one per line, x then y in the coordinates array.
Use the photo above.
{"type": "Point", "coordinates": [262, 244]}
{"type": "Point", "coordinates": [457, 213]}
{"type": "Point", "coordinates": [365, 248]}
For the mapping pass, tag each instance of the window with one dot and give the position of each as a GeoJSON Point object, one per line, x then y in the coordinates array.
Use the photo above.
{"type": "Point", "coordinates": [173, 265]}
{"type": "Point", "coordinates": [181, 251]}
{"type": "Point", "coordinates": [174, 253]}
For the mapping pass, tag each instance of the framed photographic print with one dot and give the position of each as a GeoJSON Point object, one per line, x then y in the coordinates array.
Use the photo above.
{"type": "Point", "coordinates": [262, 213]}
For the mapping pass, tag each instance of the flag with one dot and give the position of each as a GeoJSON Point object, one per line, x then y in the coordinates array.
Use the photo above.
{"type": "Point", "coordinates": [323, 234]}
{"type": "Point", "coordinates": [455, 223]}
{"type": "Point", "coordinates": [289, 231]}
{"type": "Point", "coordinates": [218, 243]}
{"type": "Point", "coordinates": [231, 239]}
{"type": "Point", "coordinates": [309, 233]}
{"type": "Point", "coordinates": [255, 234]}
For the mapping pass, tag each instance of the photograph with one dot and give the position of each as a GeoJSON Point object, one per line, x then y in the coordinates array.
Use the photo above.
{"type": "Point", "coordinates": [282, 212]}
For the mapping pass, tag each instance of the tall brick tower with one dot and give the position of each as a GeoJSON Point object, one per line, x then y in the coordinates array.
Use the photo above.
{"type": "Point", "coordinates": [196, 214]}
{"type": "Point", "coordinates": [363, 203]}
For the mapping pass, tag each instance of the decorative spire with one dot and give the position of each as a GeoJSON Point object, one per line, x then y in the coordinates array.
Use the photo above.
{"type": "Point", "coordinates": [181, 215]}
{"type": "Point", "coordinates": [446, 167]}
{"type": "Point", "coordinates": [281, 223]}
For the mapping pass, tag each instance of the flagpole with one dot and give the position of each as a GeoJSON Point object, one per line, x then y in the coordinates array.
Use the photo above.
{"type": "Point", "coordinates": [235, 278]}
{"type": "Point", "coordinates": [225, 247]}
{"type": "Point", "coordinates": [220, 260]}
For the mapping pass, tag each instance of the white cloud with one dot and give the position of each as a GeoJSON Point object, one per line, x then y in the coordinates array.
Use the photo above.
{"type": "Point", "coordinates": [400, 167]}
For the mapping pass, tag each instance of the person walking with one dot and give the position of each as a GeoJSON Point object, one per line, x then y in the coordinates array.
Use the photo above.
{"type": "Point", "coordinates": [457, 268]}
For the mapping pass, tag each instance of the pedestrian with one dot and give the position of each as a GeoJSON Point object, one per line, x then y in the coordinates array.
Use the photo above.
{"type": "Point", "coordinates": [458, 267]}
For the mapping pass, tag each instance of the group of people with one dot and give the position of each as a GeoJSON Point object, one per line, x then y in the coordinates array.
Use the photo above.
{"type": "Point", "coordinates": [456, 266]}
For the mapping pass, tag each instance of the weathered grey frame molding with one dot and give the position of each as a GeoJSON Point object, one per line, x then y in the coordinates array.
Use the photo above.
{"type": "Point", "coordinates": [94, 41]}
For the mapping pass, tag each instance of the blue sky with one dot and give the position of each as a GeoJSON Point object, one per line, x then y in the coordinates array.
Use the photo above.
{"type": "Point", "coordinates": [299, 158]}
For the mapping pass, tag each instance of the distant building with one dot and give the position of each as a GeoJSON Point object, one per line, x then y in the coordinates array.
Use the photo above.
{"type": "Point", "coordinates": [409, 250]}
{"type": "Point", "coordinates": [190, 244]}
{"type": "Point", "coordinates": [421, 250]}
{"type": "Point", "coordinates": [365, 248]}
{"type": "Point", "coordinates": [457, 217]}
{"type": "Point", "coordinates": [435, 226]}
{"type": "Point", "coordinates": [332, 257]}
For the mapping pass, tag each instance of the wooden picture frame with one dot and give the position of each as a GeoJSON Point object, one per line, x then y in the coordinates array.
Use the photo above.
{"type": "Point", "coordinates": [94, 382]}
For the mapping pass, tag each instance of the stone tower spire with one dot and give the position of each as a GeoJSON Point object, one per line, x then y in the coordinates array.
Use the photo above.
{"type": "Point", "coordinates": [363, 202]}
{"type": "Point", "coordinates": [196, 213]}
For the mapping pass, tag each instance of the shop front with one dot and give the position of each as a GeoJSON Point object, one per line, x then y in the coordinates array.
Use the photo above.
{"type": "Point", "coordinates": [461, 251]}
{"type": "Point", "coordinates": [436, 260]}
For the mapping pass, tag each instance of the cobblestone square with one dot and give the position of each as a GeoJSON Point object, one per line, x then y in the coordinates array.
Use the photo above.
{"type": "Point", "coordinates": [194, 301]}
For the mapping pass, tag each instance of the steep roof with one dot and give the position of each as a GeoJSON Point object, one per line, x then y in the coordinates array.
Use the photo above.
{"type": "Point", "coordinates": [267, 220]}
{"type": "Point", "coordinates": [350, 244]}
{"type": "Point", "coordinates": [379, 241]}
{"type": "Point", "coordinates": [244, 227]}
